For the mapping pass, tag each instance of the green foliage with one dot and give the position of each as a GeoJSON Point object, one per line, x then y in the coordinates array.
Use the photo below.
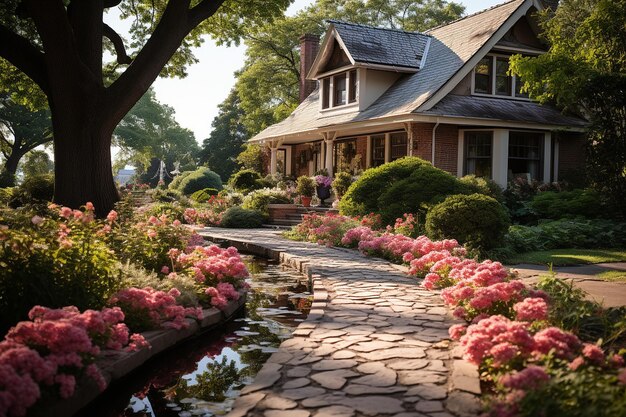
{"type": "Point", "coordinates": [252, 157]}
{"type": "Point", "coordinates": [202, 196]}
{"type": "Point", "coordinates": [571, 310]}
{"type": "Point", "coordinates": [198, 180]}
{"type": "Point", "coordinates": [519, 195]}
{"type": "Point", "coordinates": [240, 218]}
{"type": "Point", "coordinates": [51, 261]}
{"type": "Point", "coordinates": [34, 190]}
{"type": "Point", "coordinates": [167, 196]}
{"type": "Point", "coordinates": [407, 185]}
{"type": "Point", "coordinates": [260, 199]}
{"type": "Point", "coordinates": [341, 183]}
{"type": "Point", "coordinates": [475, 220]}
{"type": "Point", "coordinates": [246, 180]}
{"type": "Point", "coordinates": [228, 136]}
{"type": "Point", "coordinates": [305, 186]}
{"type": "Point", "coordinates": [37, 163]}
{"type": "Point", "coordinates": [557, 205]}
{"type": "Point", "coordinates": [570, 233]}
{"type": "Point", "coordinates": [173, 211]}
{"type": "Point", "coordinates": [585, 71]}
{"type": "Point", "coordinates": [175, 184]}
{"type": "Point", "coordinates": [484, 186]}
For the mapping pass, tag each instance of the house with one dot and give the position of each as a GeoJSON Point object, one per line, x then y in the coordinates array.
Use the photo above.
{"type": "Point", "coordinates": [372, 95]}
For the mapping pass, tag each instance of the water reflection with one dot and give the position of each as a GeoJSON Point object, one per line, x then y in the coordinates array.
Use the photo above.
{"type": "Point", "coordinates": [204, 376]}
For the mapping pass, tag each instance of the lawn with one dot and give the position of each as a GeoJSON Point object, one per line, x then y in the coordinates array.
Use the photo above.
{"type": "Point", "coordinates": [561, 257]}
{"type": "Point", "coordinates": [615, 276]}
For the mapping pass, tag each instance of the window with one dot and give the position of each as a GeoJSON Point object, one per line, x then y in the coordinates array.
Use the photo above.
{"type": "Point", "coordinates": [503, 81]}
{"type": "Point", "coordinates": [491, 78]}
{"type": "Point", "coordinates": [340, 89]}
{"type": "Point", "coordinates": [482, 76]}
{"type": "Point", "coordinates": [525, 155]}
{"type": "Point", "coordinates": [478, 153]}
{"type": "Point", "coordinates": [345, 152]}
{"type": "Point", "coordinates": [325, 93]}
{"type": "Point", "coordinates": [281, 161]}
{"type": "Point", "coordinates": [398, 145]}
{"type": "Point", "coordinates": [378, 150]}
{"type": "Point", "coordinates": [352, 97]}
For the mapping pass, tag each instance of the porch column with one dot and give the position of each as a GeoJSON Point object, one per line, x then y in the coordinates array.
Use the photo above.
{"type": "Point", "coordinates": [273, 145]}
{"type": "Point", "coordinates": [547, 157]}
{"type": "Point", "coordinates": [500, 157]}
{"type": "Point", "coordinates": [329, 138]}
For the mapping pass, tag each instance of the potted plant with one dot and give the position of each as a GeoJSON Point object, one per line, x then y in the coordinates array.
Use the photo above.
{"type": "Point", "coordinates": [323, 183]}
{"type": "Point", "coordinates": [342, 183]}
{"type": "Point", "coordinates": [305, 188]}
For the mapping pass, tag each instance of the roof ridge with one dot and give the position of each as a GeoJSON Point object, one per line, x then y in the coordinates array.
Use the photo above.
{"type": "Point", "coordinates": [343, 22]}
{"type": "Point", "coordinates": [470, 15]}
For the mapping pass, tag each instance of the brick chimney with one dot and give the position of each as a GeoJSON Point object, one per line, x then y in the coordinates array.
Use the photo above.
{"type": "Point", "coordinates": [309, 46]}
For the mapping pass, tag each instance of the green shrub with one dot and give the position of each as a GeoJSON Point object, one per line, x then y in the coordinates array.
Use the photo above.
{"type": "Point", "coordinates": [167, 196]}
{"type": "Point", "coordinates": [173, 211]}
{"type": "Point", "coordinates": [198, 180]}
{"type": "Point", "coordinates": [341, 183]}
{"type": "Point", "coordinates": [485, 186]}
{"type": "Point", "coordinates": [260, 199]}
{"type": "Point", "coordinates": [202, 196]}
{"type": "Point", "coordinates": [175, 184]}
{"type": "Point", "coordinates": [407, 185]}
{"type": "Point", "coordinates": [475, 220]}
{"type": "Point", "coordinates": [34, 189]}
{"type": "Point", "coordinates": [305, 186]}
{"type": "Point", "coordinates": [519, 195]}
{"type": "Point", "coordinates": [567, 233]}
{"type": "Point", "coordinates": [54, 262]}
{"type": "Point", "coordinates": [240, 218]}
{"type": "Point", "coordinates": [245, 181]}
{"type": "Point", "coordinates": [6, 195]}
{"type": "Point", "coordinates": [557, 205]}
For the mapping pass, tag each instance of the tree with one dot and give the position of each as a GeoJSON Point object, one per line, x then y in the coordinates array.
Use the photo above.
{"type": "Point", "coordinates": [37, 162]}
{"type": "Point", "coordinates": [268, 84]}
{"type": "Point", "coordinates": [253, 157]}
{"type": "Point", "coordinates": [584, 71]}
{"type": "Point", "coordinates": [220, 149]}
{"type": "Point", "coordinates": [58, 44]}
{"type": "Point", "coordinates": [21, 130]}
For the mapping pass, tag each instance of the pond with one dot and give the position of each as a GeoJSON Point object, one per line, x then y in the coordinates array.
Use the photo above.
{"type": "Point", "coordinates": [203, 376]}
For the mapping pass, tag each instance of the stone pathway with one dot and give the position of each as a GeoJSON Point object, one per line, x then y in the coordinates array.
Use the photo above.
{"type": "Point", "coordinates": [375, 342]}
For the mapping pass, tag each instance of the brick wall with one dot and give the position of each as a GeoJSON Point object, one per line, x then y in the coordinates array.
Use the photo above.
{"type": "Point", "coordinates": [446, 145]}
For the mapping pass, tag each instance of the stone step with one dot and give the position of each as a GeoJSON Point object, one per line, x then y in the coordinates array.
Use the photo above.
{"type": "Point", "coordinates": [285, 222]}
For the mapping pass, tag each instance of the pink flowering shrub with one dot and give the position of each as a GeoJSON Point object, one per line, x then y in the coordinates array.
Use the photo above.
{"type": "Point", "coordinates": [408, 225]}
{"type": "Point", "coordinates": [531, 309]}
{"type": "Point", "coordinates": [148, 309]}
{"type": "Point", "coordinates": [222, 271]}
{"type": "Point", "coordinates": [354, 236]}
{"type": "Point", "coordinates": [148, 241]}
{"type": "Point", "coordinates": [53, 350]}
{"type": "Point", "coordinates": [63, 251]}
{"type": "Point", "coordinates": [326, 230]}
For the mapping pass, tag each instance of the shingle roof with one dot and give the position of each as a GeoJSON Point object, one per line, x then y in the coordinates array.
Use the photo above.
{"type": "Point", "coordinates": [372, 45]}
{"type": "Point", "coordinates": [451, 47]}
{"type": "Point", "coordinates": [502, 109]}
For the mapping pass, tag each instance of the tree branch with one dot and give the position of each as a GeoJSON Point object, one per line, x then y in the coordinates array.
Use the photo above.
{"type": "Point", "coordinates": [118, 43]}
{"type": "Point", "coordinates": [86, 20]}
{"type": "Point", "coordinates": [24, 56]}
{"type": "Point", "coordinates": [202, 11]}
{"type": "Point", "coordinates": [111, 3]}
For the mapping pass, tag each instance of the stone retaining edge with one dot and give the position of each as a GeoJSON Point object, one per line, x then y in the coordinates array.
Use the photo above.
{"type": "Point", "coordinates": [464, 386]}
{"type": "Point", "coordinates": [115, 365]}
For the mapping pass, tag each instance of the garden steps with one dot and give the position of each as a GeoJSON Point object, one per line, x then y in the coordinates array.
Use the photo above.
{"type": "Point", "coordinates": [296, 214]}
{"type": "Point", "coordinates": [374, 343]}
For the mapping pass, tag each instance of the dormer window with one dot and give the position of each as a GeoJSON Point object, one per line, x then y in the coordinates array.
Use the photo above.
{"type": "Point", "coordinates": [491, 78]}
{"type": "Point", "coordinates": [339, 89]}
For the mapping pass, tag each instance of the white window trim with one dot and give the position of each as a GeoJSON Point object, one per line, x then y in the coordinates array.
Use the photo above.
{"type": "Point", "coordinates": [493, 94]}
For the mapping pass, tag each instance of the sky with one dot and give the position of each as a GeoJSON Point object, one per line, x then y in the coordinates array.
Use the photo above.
{"type": "Point", "coordinates": [195, 98]}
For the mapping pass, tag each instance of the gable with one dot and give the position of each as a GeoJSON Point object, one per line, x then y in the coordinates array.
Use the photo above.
{"type": "Point", "coordinates": [523, 35]}
{"type": "Point", "coordinates": [336, 59]}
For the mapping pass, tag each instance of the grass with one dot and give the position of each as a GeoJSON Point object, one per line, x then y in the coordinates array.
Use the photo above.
{"type": "Point", "coordinates": [615, 276]}
{"type": "Point", "coordinates": [562, 257]}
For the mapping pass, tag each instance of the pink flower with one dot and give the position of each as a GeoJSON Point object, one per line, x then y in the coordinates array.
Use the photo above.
{"type": "Point", "coordinates": [89, 206]}
{"type": "Point", "coordinates": [531, 309]}
{"type": "Point", "coordinates": [576, 363]}
{"type": "Point", "coordinates": [529, 378]}
{"type": "Point", "coordinates": [112, 216]}
{"type": "Point", "coordinates": [621, 377]}
{"type": "Point", "coordinates": [37, 220]}
{"type": "Point", "coordinates": [165, 270]}
{"type": "Point", "coordinates": [456, 331]}
{"type": "Point", "coordinates": [593, 353]}
{"type": "Point", "coordinates": [562, 343]}
{"type": "Point", "coordinates": [65, 212]}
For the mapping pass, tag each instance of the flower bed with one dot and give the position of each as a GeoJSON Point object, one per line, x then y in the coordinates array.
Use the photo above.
{"type": "Point", "coordinates": [513, 334]}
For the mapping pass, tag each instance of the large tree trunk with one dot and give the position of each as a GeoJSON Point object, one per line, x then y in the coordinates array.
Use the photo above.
{"type": "Point", "coordinates": [10, 165]}
{"type": "Point", "coordinates": [82, 156]}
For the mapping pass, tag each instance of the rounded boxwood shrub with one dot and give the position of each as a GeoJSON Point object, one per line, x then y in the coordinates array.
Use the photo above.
{"type": "Point", "coordinates": [476, 220]}
{"type": "Point", "coordinates": [202, 196]}
{"type": "Point", "coordinates": [485, 186]}
{"type": "Point", "coordinates": [341, 183]}
{"type": "Point", "coordinates": [175, 184]}
{"type": "Point", "coordinates": [166, 196]}
{"type": "Point", "coordinates": [557, 205]}
{"type": "Point", "coordinates": [260, 199]}
{"type": "Point", "coordinates": [34, 190]}
{"type": "Point", "coordinates": [198, 180]}
{"type": "Point", "coordinates": [407, 185]}
{"type": "Point", "coordinates": [241, 218]}
{"type": "Point", "coordinates": [246, 180]}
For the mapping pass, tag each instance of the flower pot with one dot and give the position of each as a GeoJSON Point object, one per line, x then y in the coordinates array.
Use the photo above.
{"type": "Point", "coordinates": [306, 201]}
{"type": "Point", "coordinates": [323, 193]}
